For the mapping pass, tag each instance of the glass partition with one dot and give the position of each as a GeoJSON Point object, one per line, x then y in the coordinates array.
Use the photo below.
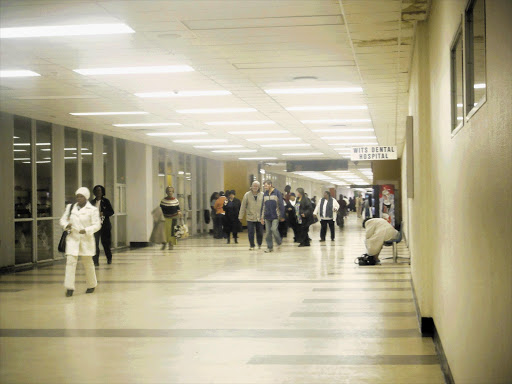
{"type": "Point", "coordinates": [22, 168]}
{"type": "Point", "coordinates": [121, 161]}
{"type": "Point", "coordinates": [44, 169]}
{"type": "Point", "coordinates": [70, 164]}
{"type": "Point", "coordinates": [87, 160]}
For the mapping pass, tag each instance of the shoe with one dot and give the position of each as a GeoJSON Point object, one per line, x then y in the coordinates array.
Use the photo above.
{"type": "Point", "coordinates": [109, 261]}
{"type": "Point", "coordinates": [96, 264]}
{"type": "Point", "coordinates": [332, 239]}
{"type": "Point", "coordinates": [302, 245]}
{"type": "Point", "coordinates": [251, 249]}
{"type": "Point", "coordinates": [163, 247]}
{"type": "Point", "coordinates": [322, 240]}
{"type": "Point", "coordinates": [236, 241]}
{"type": "Point", "coordinates": [89, 290]}
{"type": "Point", "coordinates": [69, 293]}
{"type": "Point", "coordinates": [268, 250]}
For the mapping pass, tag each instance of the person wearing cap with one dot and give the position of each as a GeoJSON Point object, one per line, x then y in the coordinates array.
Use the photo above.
{"type": "Point", "coordinates": [81, 220]}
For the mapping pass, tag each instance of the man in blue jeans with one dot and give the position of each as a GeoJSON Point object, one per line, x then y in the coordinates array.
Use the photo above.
{"type": "Point", "coordinates": [251, 206]}
{"type": "Point", "coordinates": [272, 212]}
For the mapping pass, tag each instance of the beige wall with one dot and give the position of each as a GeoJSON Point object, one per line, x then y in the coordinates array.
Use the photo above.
{"type": "Point", "coordinates": [459, 221]}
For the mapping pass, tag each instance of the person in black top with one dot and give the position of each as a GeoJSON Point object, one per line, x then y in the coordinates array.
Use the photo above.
{"type": "Point", "coordinates": [105, 208]}
{"type": "Point", "coordinates": [231, 222]}
{"type": "Point", "coordinates": [304, 209]}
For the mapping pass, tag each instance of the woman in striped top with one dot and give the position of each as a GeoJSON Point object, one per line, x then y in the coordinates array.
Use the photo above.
{"type": "Point", "coordinates": [171, 210]}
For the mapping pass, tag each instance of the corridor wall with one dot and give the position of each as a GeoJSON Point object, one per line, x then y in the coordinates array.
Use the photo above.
{"type": "Point", "coordinates": [459, 219]}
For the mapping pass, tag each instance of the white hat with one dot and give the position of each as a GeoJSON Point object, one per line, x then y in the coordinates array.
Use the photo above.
{"type": "Point", "coordinates": [84, 192]}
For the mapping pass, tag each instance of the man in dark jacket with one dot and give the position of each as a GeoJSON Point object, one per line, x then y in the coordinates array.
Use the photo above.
{"type": "Point", "coordinates": [304, 217]}
{"type": "Point", "coordinates": [272, 212]}
{"type": "Point", "coordinates": [105, 208]}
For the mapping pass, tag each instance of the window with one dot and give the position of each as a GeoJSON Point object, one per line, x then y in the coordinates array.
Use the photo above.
{"type": "Point", "coordinates": [476, 83]}
{"type": "Point", "coordinates": [22, 167]}
{"type": "Point", "coordinates": [44, 168]}
{"type": "Point", "coordinates": [70, 164]}
{"type": "Point", "coordinates": [457, 81]}
{"type": "Point", "coordinates": [87, 160]}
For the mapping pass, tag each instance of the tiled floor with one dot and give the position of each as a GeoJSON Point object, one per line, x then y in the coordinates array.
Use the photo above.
{"type": "Point", "coordinates": [208, 312]}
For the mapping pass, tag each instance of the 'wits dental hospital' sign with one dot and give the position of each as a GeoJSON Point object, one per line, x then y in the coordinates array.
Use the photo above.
{"type": "Point", "coordinates": [373, 153]}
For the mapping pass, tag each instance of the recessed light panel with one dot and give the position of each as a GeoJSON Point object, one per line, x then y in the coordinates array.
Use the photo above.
{"type": "Point", "coordinates": [18, 73]}
{"type": "Point", "coordinates": [134, 70]}
{"type": "Point", "coordinates": [183, 94]}
{"type": "Point", "coordinates": [65, 30]}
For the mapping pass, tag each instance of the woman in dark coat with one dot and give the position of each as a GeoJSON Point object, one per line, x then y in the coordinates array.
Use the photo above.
{"type": "Point", "coordinates": [106, 210]}
{"type": "Point", "coordinates": [304, 210]}
{"type": "Point", "coordinates": [231, 222]}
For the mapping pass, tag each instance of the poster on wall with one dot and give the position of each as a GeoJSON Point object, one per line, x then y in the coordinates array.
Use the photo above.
{"type": "Point", "coordinates": [387, 203]}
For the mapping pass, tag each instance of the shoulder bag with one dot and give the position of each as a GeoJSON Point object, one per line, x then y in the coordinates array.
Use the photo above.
{"type": "Point", "coordinates": [62, 242]}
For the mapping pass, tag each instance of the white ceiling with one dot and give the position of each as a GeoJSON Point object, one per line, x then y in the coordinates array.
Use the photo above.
{"type": "Point", "coordinates": [242, 46]}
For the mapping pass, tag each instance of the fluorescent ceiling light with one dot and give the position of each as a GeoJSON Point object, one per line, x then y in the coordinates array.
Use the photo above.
{"type": "Point", "coordinates": [21, 158]}
{"type": "Point", "coordinates": [65, 30]}
{"type": "Point", "coordinates": [373, 138]}
{"type": "Point", "coordinates": [339, 130]}
{"type": "Point", "coordinates": [258, 132]}
{"type": "Point", "coordinates": [276, 139]}
{"type": "Point", "coordinates": [252, 122]}
{"type": "Point", "coordinates": [347, 144]}
{"type": "Point", "coordinates": [257, 158]}
{"type": "Point", "coordinates": [234, 150]}
{"type": "Point", "coordinates": [107, 113]}
{"type": "Point", "coordinates": [19, 150]}
{"type": "Point", "coordinates": [146, 125]}
{"type": "Point", "coordinates": [176, 133]}
{"type": "Point", "coordinates": [70, 158]}
{"type": "Point", "coordinates": [459, 118]}
{"type": "Point", "coordinates": [302, 91]}
{"type": "Point", "coordinates": [285, 145]}
{"type": "Point", "coordinates": [43, 162]}
{"type": "Point", "coordinates": [21, 144]}
{"type": "Point", "coordinates": [43, 143]}
{"type": "Point", "coordinates": [328, 108]}
{"type": "Point", "coordinates": [134, 70]}
{"type": "Point", "coordinates": [218, 146]}
{"type": "Point", "coordinates": [217, 110]}
{"type": "Point", "coordinates": [303, 154]}
{"type": "Point", "coordinates": [18, 73]}
{"type": "Point", "coordinates": [479, 86]}
{"type": "Point", "coordinates": [335, 121]}
{"type": "Point", "coordinates": [86, 153]}
{"type": "Point", "coordinates": [201, 141]}
{"type": "Point", "coordinates": [183, 94]}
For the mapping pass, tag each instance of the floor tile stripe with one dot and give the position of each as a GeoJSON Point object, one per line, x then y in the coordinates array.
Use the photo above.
{"type": "Point", "coordinates": [215, 333]}
{"type": "Point", "coordinates": [362, 300]}
{"type": "Point", "coordinates": [344, 360]}
{"type": "Point", "coordinates": [353, 314]}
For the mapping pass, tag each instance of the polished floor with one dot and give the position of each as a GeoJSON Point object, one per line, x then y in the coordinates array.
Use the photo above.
{"type": "Point", "coordinates": [209, 312]}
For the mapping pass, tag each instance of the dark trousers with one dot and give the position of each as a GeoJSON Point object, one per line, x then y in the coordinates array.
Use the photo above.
{"type": "Point", "coordinates": [105, 235]}
{"type": "Point", "coordinates": [217, 226]}
{"type": "Point", "coordinates": [323, 229]}
{"type": "Point", "coordinates": [293, 226]}
{"type": "Point", "coordinates": [303, 234]}
{"type": "Point", "coordinates": [255, 226]}
{"type": "Point", "coordinates": [283, 228]}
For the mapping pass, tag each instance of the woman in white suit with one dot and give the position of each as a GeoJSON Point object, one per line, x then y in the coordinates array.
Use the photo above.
{"type": "Point", "coordinates": [81, 220]}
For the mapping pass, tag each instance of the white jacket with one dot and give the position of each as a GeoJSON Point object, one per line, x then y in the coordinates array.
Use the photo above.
{"type": "Point", "coordinates": [377, 232]}
{"type": "Point", "coordinates": [335, 208]}
{"type": "Point", "coordinates": [87, 218]}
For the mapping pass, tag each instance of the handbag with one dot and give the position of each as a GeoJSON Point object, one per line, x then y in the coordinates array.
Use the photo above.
{"type": "Point", "coordinates": [62, 242]}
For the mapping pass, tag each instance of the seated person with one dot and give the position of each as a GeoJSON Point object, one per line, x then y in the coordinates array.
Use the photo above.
{"type": "Point", "coordinates": [378, 231]}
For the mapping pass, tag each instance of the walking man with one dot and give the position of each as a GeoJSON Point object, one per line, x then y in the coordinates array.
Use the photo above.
{"type": "Point", "coordinates": [251, 206]}
{"type": "Point", "coordinates": [272, 212]}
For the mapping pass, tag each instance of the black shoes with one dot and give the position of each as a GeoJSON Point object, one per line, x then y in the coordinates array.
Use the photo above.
{"type": "Point", "coordinates": [69, 293]}
{"type": "Point", "coordinates": [89, 290]}
{"type": "Point", "coordinates": [365, 260]}
{"type": "Point", "coordinates": [109, 261]}
{"type": "Point", "coordinates": [304, 245]}
{"type": "Point", "coordinates": [322, 240]}
{"type": "Point", "coordinates": [96, 264]}
{"type": "Point", "coordinates": [236, 241]}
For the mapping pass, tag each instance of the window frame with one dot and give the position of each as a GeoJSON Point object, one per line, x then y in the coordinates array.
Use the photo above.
{"type": "Point", "coordinates": [469, 94]}
{"type": "Point", "coordinates": [458, 38]}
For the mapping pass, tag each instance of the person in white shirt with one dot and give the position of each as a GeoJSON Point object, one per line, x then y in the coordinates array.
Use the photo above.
{"type": "Point", "coordinates": [378, 231]}
{"type": "Point", "coordinates": [326, 210]}
{"type": "Point", "coordinates": [81, 220]}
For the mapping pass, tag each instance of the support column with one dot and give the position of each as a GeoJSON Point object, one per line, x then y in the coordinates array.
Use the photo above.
{"type": "Point", "coordinates": [7, 200]}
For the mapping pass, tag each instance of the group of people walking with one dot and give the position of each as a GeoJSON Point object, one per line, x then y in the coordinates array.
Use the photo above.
{"type": "Point", "coordinates": [272, 211]}
{"type": "Point", "coordinates": [86, 222]}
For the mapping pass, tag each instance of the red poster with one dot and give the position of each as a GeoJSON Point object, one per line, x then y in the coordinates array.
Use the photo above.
{"type": "Point", "coordinates": [387, 203]}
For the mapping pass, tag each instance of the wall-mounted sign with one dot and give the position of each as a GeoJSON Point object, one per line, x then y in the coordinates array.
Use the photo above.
{"type": "Point", "coordinates": [373, 152]}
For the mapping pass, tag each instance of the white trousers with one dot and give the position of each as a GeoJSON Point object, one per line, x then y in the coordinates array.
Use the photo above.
{"type": "Point", "coordinates": [90, 273]}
